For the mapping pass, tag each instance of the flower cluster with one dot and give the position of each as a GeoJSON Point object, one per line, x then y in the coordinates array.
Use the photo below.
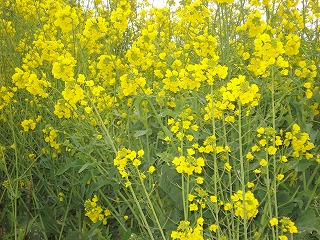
{"type": "Point", "coordinates": [186, 232]}
{"type": "Point", "coordinates": [245, 201]}
{"type": "Point", "coordinates": [184, 127]}
{"type": "Point", "coordinates": [238, 91]}
{"type": "Point", "coordinates": [96, 212]}
{"type": "Point", "coordinates": [286, 225]}
{"type": "Point", "coordinates": [300, 142]}
{"type": "Point", "coordinates": [188, 164]}
{"type": "Point", "coordinates": [28, 124]}
{"type": "Point", "coordinates": [198, 200]}
{"type": "Point", "coordinates": [50, 136]}
{"type": "Point", "coordinates": [126, 156]}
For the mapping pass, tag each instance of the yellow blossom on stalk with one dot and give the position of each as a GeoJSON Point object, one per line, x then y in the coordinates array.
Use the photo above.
{"type": "Point", "coordinates": [282, 237]}
{"type": "Point", "coordinates": [280, 177]}
{"type": "Point", "coordinates": [278, 141]}
{"type": "Point", "coordinates": [283, 159]}
{"type": "Point", "coordinates": [273, 222]}
{"type": "Point", "coordinates": [191, 197]}
{"type": "Point", "coordinates": [255, 148]}
{"type": "Point", "coordinates": [136, 162]}
{"type": "Point", "coordinates": [222, 71]}
{"type": "Point", "coordinates": [28, 124]}
{"type": "Point", "coordinates": [249, 202]}
{"type": "Point", "coordinates": [151, 169]}
{"type": "Point", "coordinates": [61, 195]}
{"type": "Point", "coordinates": [99, 136]}
{"type": "Point", "coordinates": [263, 163]}
{"type": "Point", "coordinates": [237, 91]}
{"type": "Point", "coordinates": [272, 150]}
{"type": "Point", "coordinates": [249, 156]}
{"type": "Point", "coordinates": [199, 180]}
{"type": "Point", "coordinates": [213, 227]}
{"type": "Point", "coordinates": [288, 225]}
{"type": "Point", "coordinates": [185, 231]}
{"type": "Point", "coordinates": [213, 199]}
{"type": "Point", "coordinates": [227, 167]}
{"type": "Point", "coordinates": [66, 19]}
{"type": "Point", "coordinates": [96, 212]}
{"type": "Point", "coordinates": [260, 130]}
{"type": "Point", "coordinates": [188, 164]}
{"type": "Point", "coordinates": [193, 207]}
{"type": "Point", "coordinates": [257, 171]}
{"type": "Point", "coordinates": [63, 67]}
{"type": "Point", "coordinates": [50, 137]}
{"type": "Point", "coordinates": [250, 184]}
{"type": "Point", "coordinates": [126, 156]}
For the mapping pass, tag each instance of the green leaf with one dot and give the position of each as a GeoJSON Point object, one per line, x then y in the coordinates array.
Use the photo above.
{"type": "Point", "coordinates": [308, 221]}
{"type": "Point", "coordinates": [303, 165]}
{"type": "Point", "coordinates": [84, 167]}
{"type": "Point", "coordinates": [140, 133]}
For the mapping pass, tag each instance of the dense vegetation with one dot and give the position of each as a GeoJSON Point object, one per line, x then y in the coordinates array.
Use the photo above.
{"type": "Point", "coordinates": [197, 120]}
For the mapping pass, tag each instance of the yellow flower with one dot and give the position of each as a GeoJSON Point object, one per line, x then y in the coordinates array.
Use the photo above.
{"type": "Point", "coordinates": [261, 130]}
{"type": "Point", "coordinates": [282, 237]}
{"type": "Point", "coordinates": [263, 163]}
{"type": "Point", "coordinates": [257, 171]}
{"type": "Point", "coordinates": [283, 159]}
{"type": "Point", "coordinates": [250, 184]}
{"type": "Point", "coordinates": [227, 207]}
{"type": "Point", "coordinates": [151, 169]}
{"type": "Point", "coordinates": [199, 180]}
{"type": "Point", "coordinates": [127, 184]}
{"type": "Point", "coordinates": [273, 222]}
{"type": "Point", "coordinates": [249, 156]}
{"type": "Point", "coordinates": [213, 227]}
{"type": "Point", "coordinates": [272, 150]}
{"type": "Point", "coordinates": [227, 167]}
{"type": "Point", "coordinates": [263, 142]}
{"type": "Point", "coordinates": [140, 153]}
{"type": "Point", "coordinates": [213, 199]}
{"type": "Point", "coordinates": [191, 197]}
{"type": "Point", "coordinates": [99, 136]}
{"type": "Point", "coordinates": [136, 162]}
{"type": "Point", "coordinates": [193, 207]}
{"type": "Point", "coordinates": [280, 177]}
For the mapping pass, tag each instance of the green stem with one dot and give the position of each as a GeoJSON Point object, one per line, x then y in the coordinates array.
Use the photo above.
{"type": "Point", "coordinates": [114, 212]}
{"type": "Point", "coordinates": [216, 172]}
{"type": "Point", "coordinates": [243, 186]}
{"type": "Point", "coordinates": [65, 215]}
{"type": "Point", "coordinates": [102, 125]}
{"type": "Point", "coordinates": [274, 192]}
{"type": "Point", "coordinates": [151, 205]}
{"type": "Point", "coordinates": [142, 215]}
{"type": "Point", "coordinates": [185, 205]}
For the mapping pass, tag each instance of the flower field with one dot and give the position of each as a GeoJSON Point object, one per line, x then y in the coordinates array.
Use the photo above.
{"type": "Point", "coordinates": [195, 120]}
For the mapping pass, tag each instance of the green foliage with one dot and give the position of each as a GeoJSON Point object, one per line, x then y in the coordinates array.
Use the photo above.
{"type": "Point", "coordinates": [198, 120]}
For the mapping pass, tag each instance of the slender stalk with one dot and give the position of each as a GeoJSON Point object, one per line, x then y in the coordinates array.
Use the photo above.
{"type": "Point", "coordinates": [104, 128]}
{"type": "Point", "coordinates": [243, 186]}
{"type": "Point", "coordinates": [225, 139]}
{"type": "Point", "coordinates": [65, 215]}
{"type": "Point", "coordinates": [274, 192]}
{"type": "Point", "coordinates": [216, 172]}
{"type": "Point", "coordinates": [185, 206]}
{"type": "Point", "coordinates": [150, 204]}
{"type": "Point", "coordinates": [114, 212]}
{"type": "Point", "coordinates": [142, 215]}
